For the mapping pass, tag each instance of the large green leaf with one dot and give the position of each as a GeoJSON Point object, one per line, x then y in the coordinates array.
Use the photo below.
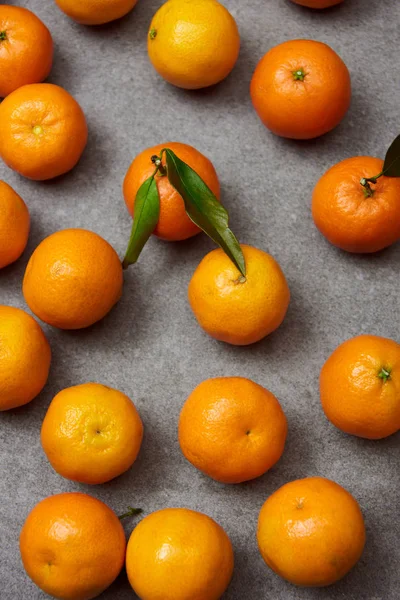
{"type": "Point", "coordinates": [146, 215]}
{"type": "Point", "coordinates": [203, 208]}
{"type": "Point", "coordinates": [391, 167]}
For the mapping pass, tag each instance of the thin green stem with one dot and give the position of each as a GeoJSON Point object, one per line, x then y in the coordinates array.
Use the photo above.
{"type": "Point", "coordinates": [131, 512]}
{"type": "Point", "coordinates": [157, 161]}
{"type": "Point", "coordinates": [384, 374]}
{"type": "Point", "coordinates": [366, 181]}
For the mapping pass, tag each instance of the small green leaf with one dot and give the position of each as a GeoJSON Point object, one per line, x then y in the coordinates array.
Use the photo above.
{"type": "Point", "coordinates": [145, 219]}
{"type": "Point", "coordinates": [203, 208]}
{"type": "Point", "coordinates": [391, 167]}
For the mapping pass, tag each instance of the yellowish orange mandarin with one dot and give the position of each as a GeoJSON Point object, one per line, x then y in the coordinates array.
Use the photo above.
{"type": "Point", "coordinates": [179, 554]}
{"type": "Point", "coordinates": [232, 429]}
{"type": "Point", "coordinates": [72, 546]}
{"type": "Point", "coordinates": [236, 309]}
{"type": "Point", "coordinates": [91, 433]}
{"type": "Point", "coordinates": [25, 358]}
{"type": "Point", "coordinates": [14, 225]}
{"type": "Point", "coordinates": [311, 532]}
{"type": "Point", "coordinates": [193, 44]}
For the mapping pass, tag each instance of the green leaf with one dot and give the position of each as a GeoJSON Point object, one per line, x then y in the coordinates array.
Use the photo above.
{"type": "Point", "coordinates": [146, 215]}
{"type": "Point", "coordinates": [391, 167]}
{"type": "Point", "coordinates": [203, 208]}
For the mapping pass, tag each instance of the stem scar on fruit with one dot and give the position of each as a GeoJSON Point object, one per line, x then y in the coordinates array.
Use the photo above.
{"type": "Point", "coordinates": [299, 75]}
{"type": "Point", "coordinates": [153, 34]}
{"type": "Point", "coordinates": [384, 374]}
{"type": "Point", "coordinates": [3, 35]}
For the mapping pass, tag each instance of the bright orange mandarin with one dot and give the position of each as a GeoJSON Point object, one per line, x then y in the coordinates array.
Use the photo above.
{"type": "Point", "coordinates": [43, 131]}
{"type": "Point", "coordinates": [173, 224]}
{"type": "Point", "coordinates": [318, 3]}
{"type": "Point", "coordinates": [91, 433]}
{"type": "Point", "coordinates": [72, 546]}
{"type": "Point", "coordinates": [26, 48]}
{"type": "Point", "coordinates": [95, 12]}
{"type": "Point", "coordinates": [193, 44]}
{"type": "Point", "coordinates": [360, 387]}
{"type": "Point", "coordinates": [14, 225]}
{"type": "Point", "coordinates": [235, 309]}
{"type": "Point", "coordinates": [311, 532]}
{"type": "Point", "coordinates": [179, 554]}
{"type": "Point", "coordinates": [232, 429]}
{"type": "Point", "coordinates": [25, 357]}
{"type": "Point", "coordinates": [347, 216]}
{"type": "Point", "coordinates": [301, 89]}
{"type": "Point", "coordinates": [73, 279]}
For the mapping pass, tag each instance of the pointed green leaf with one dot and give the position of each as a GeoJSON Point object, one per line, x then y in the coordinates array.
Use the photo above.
{"type": "Point", "coordinates": [145, 219]}
{"type": "Point", "coordinates": [391, 167]}
{"type": "Point", "coordinates": [203, 208]}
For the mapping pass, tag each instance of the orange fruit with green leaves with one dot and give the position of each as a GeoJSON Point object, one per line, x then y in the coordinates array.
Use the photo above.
{"type": "Point", "coordinates": [235, 308]}
{"type": "Point", "coordinates": [301, 89]}
{"type": "Point", "coordinates": [311, 532]}
{"type": "Point", "coordinates": [232, 429]}
{"type": "Point", "coordinates": [14, 225]}
{"type": "Point", "coordinates": [72, 546]}
{"type": "Point", "coordinates": [91, 433]}
{"type": "Point", "coordinates": [173, 222]}
{"type": "Point", "coordinates": [356, 206]}
{"type": "Point", "coordinates": [25, 358]}
{"type": "Point", "coordinates": [26, 48]}
{"type": "Point", "coordinates": [179, 554]}
{"type": "Point", "coordinates": [193, 44]}
{"type": "Point", "coordinates": [43, 131]}
{"type": "Point", "coordinates": [360, 387]}
{"type": "Point", "coordinates": [73, 279]}
{"type": "Point", "coordinates": [95, 12]}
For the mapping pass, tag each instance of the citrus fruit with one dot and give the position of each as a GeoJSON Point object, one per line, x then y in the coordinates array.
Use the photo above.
{"type": "Point", "coordinates": [14, 225]}
{"type": "Point", "coordinates": [26, 48]}
{"type": "Point", "coordinates": [360, 387]}
{"type": "Point", "coordinates": [173, 224]}
{"type": "Point", "coordinates": [353, 217]}
{"type": "Point", "coordinates": [95, 12]}
{"type": "Point", "coordinates": [232, 429]}
{"type": "Point", "coordinates": [25, 357]}
{"type": "Point", "coordinates": [318, 3]}
{"type": "Point", "coordinates": [179, 554]}
{"type": "Point", "coordinates": [311, 532]}
{"type": "Point", "coordinates": [301, 89]}
{"type": "Point", "coordinates": [91, 433]}
{"type": "Point", "coordinates": [193, 44]}
{"type": "Point", "coordinates": [72, 546]}
{"type": "Point", "coordinates": [236, 309]}
{"type": "Point", "coordinates": [43, 131]}
{"type": "Point", "coordinates": [73, 279]}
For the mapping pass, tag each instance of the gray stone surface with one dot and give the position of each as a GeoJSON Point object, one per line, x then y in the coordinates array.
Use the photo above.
{"type": "Point", "coordinates": [150, 345]}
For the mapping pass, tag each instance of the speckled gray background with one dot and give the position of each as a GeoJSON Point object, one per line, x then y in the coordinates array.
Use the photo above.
{"type": "Point", "coordinates": [150, 345]}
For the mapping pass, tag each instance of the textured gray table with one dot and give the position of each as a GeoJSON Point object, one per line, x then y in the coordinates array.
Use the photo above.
{"type": "Point", "coordinates": [150, 345]}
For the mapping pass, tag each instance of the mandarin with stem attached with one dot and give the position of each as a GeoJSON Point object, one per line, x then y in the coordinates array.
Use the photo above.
{"type": "Point", "coordinates": [301, 89]}
{"type": "Point", "coordinates": [26, 49]}
{"type": "Point", "coordinates": [173, 223]}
